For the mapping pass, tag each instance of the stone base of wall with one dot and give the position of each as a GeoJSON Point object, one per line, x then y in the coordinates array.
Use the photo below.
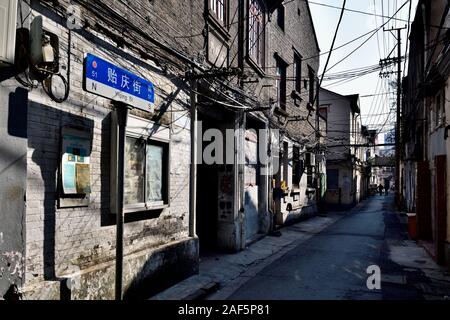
{"type": "Point", "coordinates": [144, 274]}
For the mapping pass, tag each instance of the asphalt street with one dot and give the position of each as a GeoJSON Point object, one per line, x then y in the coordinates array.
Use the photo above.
{"type": "Point", "coordinates": [331, 265]}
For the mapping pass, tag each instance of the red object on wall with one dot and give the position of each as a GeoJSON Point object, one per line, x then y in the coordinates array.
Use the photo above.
{"type": "Point", "coordinates": [412, 226]}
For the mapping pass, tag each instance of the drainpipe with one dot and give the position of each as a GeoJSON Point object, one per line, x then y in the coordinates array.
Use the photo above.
{"type": "Point", "coordinates": [241, 179]}
{"type": "Point", "coordinates": [194, 159]}
{"type": "Point", "coordinates": [318, 147]}
{"type": "Point", "coordinates": [238, 181]}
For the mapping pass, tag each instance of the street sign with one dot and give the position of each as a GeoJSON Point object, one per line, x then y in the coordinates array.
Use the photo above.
{"type": "Point", "coordinates": [110, 81]}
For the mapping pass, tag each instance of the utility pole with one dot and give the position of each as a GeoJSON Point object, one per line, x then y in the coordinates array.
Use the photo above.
{"type": "Point", "coordinates": [398, 125]}
{"type": "Point", "coordinates": [121, 112]}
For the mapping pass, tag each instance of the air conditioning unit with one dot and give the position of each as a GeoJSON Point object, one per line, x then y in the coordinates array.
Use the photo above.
{"type": "Point", "coordinates": [310, 159]}
{"type": "Point", "coordinates": [8, 20]}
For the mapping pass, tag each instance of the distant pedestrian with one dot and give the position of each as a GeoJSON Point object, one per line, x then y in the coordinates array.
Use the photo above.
{"type": "Point", "coordinates": [380, 189]}
{"type": "Point", "coordinates": [386, 187]}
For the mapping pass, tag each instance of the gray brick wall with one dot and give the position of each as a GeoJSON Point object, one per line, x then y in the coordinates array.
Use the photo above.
{"type": "Point", "coordinates": [63, 242]}
{"type": "Point", "coordinates": [77, 239]}
{"type": "Point", "coordinates": [298, 34]}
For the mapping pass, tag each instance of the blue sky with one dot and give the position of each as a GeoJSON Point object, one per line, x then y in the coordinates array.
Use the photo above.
{"type": "Point", "coordinates": [375, 110]}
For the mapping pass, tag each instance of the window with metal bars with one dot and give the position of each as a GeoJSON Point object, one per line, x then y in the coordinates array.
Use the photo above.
{"type": "Point", "coordinates": [256, 32]}
{"type": "Point", "coordinates": [218, 9]}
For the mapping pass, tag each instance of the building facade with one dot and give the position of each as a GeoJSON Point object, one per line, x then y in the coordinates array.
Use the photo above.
{"type": "Point", "coordinates": [424, 134]}
{"type": "Point", "coordinates": [294, 66]}
{"type": "Point", "coordinates": [347, 143]}
{"type": "Point", "coordinates": [208, 92]}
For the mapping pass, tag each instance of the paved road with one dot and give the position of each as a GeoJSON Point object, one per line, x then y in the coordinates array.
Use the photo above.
{"type": "Point", "coordinates": [331, 265]}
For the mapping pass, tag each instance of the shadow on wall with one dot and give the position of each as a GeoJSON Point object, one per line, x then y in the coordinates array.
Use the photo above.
{"type": "Point", "coordinates": [45, 125]}
{"type": "Point", "coordinates": [107, 219]}
{"type": "Point", "coordinates": [17, 115]}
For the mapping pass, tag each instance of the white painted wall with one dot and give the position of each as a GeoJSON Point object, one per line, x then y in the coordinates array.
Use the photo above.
{"type": "Point", "coordinates": [338, 132]}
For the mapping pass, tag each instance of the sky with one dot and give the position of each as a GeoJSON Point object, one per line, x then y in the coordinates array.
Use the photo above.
{"type": "Point", "coordinates": [376, 110]}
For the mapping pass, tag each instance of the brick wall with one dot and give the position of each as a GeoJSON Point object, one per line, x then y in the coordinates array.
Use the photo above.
{"type": "Point", "coordinates": [63, 242]}
{"type": "Point", "coordinates": [298, 34]}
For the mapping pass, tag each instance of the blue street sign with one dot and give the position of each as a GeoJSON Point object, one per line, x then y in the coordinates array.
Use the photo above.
{"type": "Point", "coordinates": [110, 81]}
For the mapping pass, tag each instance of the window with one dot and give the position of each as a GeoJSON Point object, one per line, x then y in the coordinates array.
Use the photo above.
{"type": "Point", "coordinates": [311, 84]}
{"type": "Point", "coordinates": [297, 167]}
{"type": "Point", "coordinates": [218, 9]}
{"type": "Point", "coordinates": [280, 16]}
{"type": "Point", "coordinates": [146, 175]}
{"type": "Point", "coordinates": [281, 83]}
{"type": "Point", "coordinates": [310, 177]}
{"type": "Point", "coordinates": [323, 111]}
{"type": "Point", "coordinates": [256, 32]}
{"type": "Point", "coordinates": [8, 18]}
{"type": "Point", "coordinates": [298, 72]}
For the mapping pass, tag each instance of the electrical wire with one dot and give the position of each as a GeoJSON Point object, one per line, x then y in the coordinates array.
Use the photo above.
{"type": "Point", "coordinates": [407, 37]}
{"type": "Point", "coordinates": [332, 46]}
{"type": "Point", "coordinates": [367, 40]}
{"type": "Point", "coordinates": [47, 86]}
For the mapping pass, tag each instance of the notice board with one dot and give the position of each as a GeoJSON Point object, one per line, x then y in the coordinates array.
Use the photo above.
{"type": "Point", "coordinates": [75, 171]}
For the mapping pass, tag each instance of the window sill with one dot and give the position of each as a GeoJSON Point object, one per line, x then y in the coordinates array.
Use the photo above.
{"type": "Point", "coordinates": [218, 27]}
{"type": "Point", "coordinates": [143, 208]}
{"type": "Point", "coordinates": [281, 112]}
{"type": "Point", "coordinates": [255, 66]}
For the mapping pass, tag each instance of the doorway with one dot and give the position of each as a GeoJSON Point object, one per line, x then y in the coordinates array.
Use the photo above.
{"type": "Point", "coordinates": [215, 186]}
{"type": "Point", "coordinates": [207, 194]}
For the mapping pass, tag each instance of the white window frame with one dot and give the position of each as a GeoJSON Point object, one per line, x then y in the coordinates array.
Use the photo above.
{"type": "Point", "coordinates": [151, 132]}
{"type": "Point", "coordinates": [147, 205]}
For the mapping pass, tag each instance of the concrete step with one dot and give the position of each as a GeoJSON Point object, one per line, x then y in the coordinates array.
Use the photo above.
{"type": "Point", "coordinates": [194, 288]}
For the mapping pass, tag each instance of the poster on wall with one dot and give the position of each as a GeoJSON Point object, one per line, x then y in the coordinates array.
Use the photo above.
{"type": "Point", "coordinates": [75, 169]}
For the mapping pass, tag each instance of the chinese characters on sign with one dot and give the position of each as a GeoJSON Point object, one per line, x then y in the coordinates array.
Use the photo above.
{"type": "Point", "coordinates": [105, 79]}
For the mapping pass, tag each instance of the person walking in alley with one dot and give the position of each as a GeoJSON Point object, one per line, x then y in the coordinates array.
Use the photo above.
{"type": "Point", "coordinates": [380, 189]}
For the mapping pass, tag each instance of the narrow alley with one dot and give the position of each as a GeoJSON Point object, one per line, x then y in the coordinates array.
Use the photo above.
{"type": "Point", "coordinates": [333, 263]}
{"type": "Point", "coordinates": [224, 150]}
